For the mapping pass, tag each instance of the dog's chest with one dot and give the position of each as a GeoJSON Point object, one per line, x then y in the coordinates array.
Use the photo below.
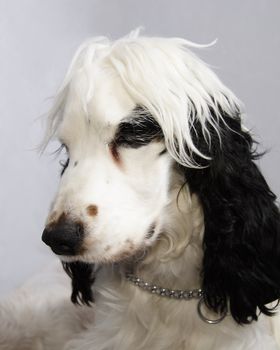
{"type": "Point", "coordinates": [128, 318]}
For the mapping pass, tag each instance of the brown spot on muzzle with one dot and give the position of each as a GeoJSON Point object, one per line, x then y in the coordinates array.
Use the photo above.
{"type": "Point", "coordinates": [92, 210]}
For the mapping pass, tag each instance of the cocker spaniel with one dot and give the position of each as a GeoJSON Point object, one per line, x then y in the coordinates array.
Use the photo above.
{"type": "Point", "coordinates": [162, 219]}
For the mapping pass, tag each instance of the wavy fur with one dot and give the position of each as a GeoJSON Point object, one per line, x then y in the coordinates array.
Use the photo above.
{"type": "Point", "coordinates": [242, 226]}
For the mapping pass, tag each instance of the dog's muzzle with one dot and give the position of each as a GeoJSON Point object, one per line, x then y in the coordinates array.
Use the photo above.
{"type": "Point", "coordinates": [64, 237]}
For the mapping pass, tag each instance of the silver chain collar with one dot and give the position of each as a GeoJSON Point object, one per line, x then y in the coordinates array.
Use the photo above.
{"type": "Point", "coordinates": [165, 292]}
{"type": "Point", "coordinates": [178, 294]}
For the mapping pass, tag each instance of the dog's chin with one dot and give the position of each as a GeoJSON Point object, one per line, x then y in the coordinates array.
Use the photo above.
{"type": "Point", "coordinates": [123, 256]}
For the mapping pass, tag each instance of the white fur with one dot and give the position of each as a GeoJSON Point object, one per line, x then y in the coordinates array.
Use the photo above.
{"type": "Point", "coordinates": [105, 81]}
{"type": "Point", "coordinates": [172, 82]}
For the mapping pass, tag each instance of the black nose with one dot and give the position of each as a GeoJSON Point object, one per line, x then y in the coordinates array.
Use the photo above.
{"type": "Point", "coordinates": [64, 238]}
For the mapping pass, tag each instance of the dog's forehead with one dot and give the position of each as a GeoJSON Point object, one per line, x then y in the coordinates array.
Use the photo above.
{"type": "Point", "coordinates": [110, 102]}
{"type": "Point", "coordinates": [98, 102]}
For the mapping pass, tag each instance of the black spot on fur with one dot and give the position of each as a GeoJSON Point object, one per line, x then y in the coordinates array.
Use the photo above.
{"type": "Point", "coordinates": [241, 264]}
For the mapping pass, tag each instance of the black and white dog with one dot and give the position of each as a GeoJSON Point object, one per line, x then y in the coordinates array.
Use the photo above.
{"type": "Point", "coordinates": [162, 218]}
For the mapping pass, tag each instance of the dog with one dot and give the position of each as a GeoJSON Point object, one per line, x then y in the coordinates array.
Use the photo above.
{"type": "Point", "coordinates": [162, 219]}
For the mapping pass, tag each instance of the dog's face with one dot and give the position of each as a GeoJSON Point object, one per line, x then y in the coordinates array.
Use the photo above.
{"type": "Point", "coordinates": [114, 185]}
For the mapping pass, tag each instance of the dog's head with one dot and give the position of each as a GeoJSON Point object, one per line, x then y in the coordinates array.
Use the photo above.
{"type": "Point", "coordinates": [114, 182]}
{"type": "Point", "coordinates": [132, 113]}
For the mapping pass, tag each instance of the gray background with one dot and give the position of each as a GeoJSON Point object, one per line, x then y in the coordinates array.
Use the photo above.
{"type": "Point", "coordinates": [37, 41]}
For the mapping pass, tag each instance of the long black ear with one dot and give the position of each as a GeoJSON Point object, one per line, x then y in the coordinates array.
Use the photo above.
{"type": "Point", "coordinates": [83, 277]}
{"type": "Point", "coordinates": [241, 265]}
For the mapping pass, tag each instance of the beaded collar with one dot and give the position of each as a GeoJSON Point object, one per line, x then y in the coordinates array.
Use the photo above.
{"type": "Point", "coordinates": [178, 294]}
{"type": "Point", "coordinates": [165, 292]}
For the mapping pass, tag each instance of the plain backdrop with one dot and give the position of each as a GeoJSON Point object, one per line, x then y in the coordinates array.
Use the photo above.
{"type": "Point", "coordinates": [37, 41]}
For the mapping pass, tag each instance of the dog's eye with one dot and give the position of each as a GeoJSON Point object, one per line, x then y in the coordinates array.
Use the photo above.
{"type": "Point", "coordinates": [163, 152]}
{"type": "Point", "coordinates": [63, 162]}
{"type": "Point", "coordinates": [137, 132]}
{"type": "Point", "coordinates": [114, 151]}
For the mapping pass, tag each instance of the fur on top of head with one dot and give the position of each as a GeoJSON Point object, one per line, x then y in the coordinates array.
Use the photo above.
{"type": "Point", "coordinates": [173, 84]}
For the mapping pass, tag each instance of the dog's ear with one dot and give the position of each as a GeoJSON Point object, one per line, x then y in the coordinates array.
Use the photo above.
{"type": "Point", "coordinates": [83, 277]}
{"type": "Point", "coordinates": [241, 264]}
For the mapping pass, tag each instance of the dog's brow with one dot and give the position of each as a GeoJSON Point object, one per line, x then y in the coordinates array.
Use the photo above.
{"type": "Point", "coordinates": [138, 129]}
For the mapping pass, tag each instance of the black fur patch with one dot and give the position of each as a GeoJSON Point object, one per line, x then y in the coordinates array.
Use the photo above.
{"type": "Point", "coordinates": [82, 276]}
{"type": "Point", "coordinates": [138, 130]}
{"type": "Point", "coordinates": [241, 265]}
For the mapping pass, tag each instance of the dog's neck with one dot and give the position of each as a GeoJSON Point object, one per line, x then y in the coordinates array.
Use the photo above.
{"type": "Point", "coordinates": [174, 261]}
